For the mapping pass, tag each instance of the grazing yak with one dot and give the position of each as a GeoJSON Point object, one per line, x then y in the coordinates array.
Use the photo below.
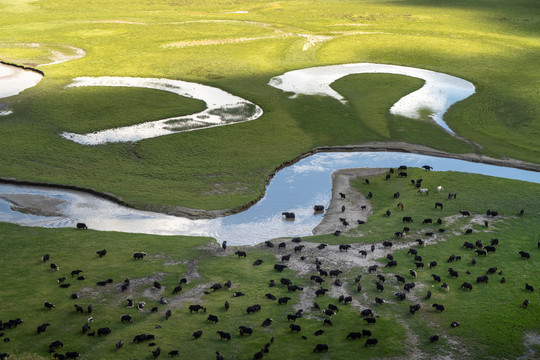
{"type": "Point", "coordinates": [253, 308]}
{"type": "Point", "coordinates": [320, 348]}
{"type": "Point", "coordinates": [55, 345]}
{"type": "Point", "coordinates": [371, 342]}
{"type": "Point", "coordinates": [466, 285]}
{"type": "Point", "coordinates": [370, 320]}
{"type": "Point", "coordinates": [285, 281]}
{"type": "Point", "coordinates": [119, 345]}
{"type": "Point", "coordinates": [344, 247]}
{"type": "Point", "coordinates": [245, 330]}
{"type": "Point", "coordinates": [354, 335]}
{"type": "Point", "coordinates": [279, 267]}
{"type": "Point", "coordinates": [103, 331]}
{"type": "Point", "coordinates": [414, 308]}
{"type": "Point", "coordinates": [284, 300]}
{"type": "Point", "coordinates": [482, 279]}
{"type": "Point", "coordinates": [196, 308]}
{"type": "Point", "coordinates": [295, 327]}
{"type": "Point", "coordinates": [48, 305]}
{"type": "Point", "coordinates": [492, 213]}
{"type": "Point", "coordinates": [401, 295]}
{"type": "Point", "coordinates": [42, 328]}
{"type": "Point", "coordinates": [139, 255]}
{"type": "Point", "coordinates": [224, 335]}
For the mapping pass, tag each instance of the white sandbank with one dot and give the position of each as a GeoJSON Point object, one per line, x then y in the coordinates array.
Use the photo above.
{"type": "Point", "coordinates": [439, 92]}
{"type": "Point", "coordinates": [222, 109]}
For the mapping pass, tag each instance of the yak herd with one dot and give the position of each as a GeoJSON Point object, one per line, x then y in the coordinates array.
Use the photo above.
{"type": "Point", "coordinates": [321, 282]}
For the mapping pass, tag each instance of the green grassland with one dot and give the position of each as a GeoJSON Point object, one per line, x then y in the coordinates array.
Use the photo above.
{"type": "Point", "coordinates": [493, 322]}
{"type": "Point", "coordinates": [493, 44]}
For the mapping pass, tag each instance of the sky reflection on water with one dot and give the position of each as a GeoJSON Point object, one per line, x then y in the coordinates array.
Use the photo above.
{"type": "Point", "coordinates": [296, 188]}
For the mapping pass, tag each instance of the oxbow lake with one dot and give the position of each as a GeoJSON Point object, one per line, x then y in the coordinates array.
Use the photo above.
{"type": "Point", "coordinates": [296, 188]}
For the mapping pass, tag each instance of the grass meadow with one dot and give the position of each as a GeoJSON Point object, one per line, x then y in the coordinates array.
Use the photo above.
{"type": "Point", "coordinates": [493, 44]}
{"type": "Point", "coordinates": [238, 46]}
{"type": "Point", "coordinates": [493, 321]}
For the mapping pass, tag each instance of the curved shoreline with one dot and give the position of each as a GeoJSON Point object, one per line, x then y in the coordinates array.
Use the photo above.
{"type": "Point", "coordinates": [191, 213]}
{"type": "Point", "coordinates": [22, 67]}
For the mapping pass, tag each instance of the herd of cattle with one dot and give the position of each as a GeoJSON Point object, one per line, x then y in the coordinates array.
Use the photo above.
{"type": "Point", "coordinates": [379, 272]}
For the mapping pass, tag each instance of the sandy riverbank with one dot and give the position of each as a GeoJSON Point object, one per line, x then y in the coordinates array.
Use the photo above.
{"type": "Point", "coordinates": [34, 204]}
{"type": "Point", "coordinates": [353, 202]}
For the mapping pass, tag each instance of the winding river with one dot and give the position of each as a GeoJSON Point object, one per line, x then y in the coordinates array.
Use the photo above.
{"type": "Point", "coordinates": [296, 188]}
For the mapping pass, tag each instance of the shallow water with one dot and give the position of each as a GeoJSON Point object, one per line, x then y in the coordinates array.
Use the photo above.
{"type": "Point", "coordinates": [439, 92]}
{"type": "Point", "coordinates": [296, 188]}
{"type": "Point", "coordinates": [14, 80]}
{"type": "Point", "coordinates": [222, 109]}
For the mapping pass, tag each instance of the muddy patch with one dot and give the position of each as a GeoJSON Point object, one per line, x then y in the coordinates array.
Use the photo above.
{"type": "Point", "coordinates": [34, 204]}
{"type": "Point", "coordinates": [303, 264]}
{"type": "Point", "coordinates": [531, 340]}
{"type": "Point", "coordinates": [357, 206]}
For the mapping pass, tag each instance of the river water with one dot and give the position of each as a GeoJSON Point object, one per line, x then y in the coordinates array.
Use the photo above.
{"type": "Point", "coordinates": [296, 188]}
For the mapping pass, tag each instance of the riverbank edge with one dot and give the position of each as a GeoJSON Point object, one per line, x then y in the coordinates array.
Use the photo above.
{"type": "Point", "coordinates": [193, 214]}
{"type": "Point", "coordinates": [24, 67]}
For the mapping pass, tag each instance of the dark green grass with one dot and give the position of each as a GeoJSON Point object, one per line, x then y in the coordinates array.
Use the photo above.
{"type": "Point", "coordinates": [493, 46]}
{"type": "Point", "coordinates": [72, 249]}
{"type": "Point", "coordinates": [88, 109]}
{"type": "Point", "coordinates": [492, 318]}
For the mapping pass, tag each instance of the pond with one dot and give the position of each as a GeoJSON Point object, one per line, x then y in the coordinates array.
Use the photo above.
{"type": "Point", "coordinates": [296, 188]}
